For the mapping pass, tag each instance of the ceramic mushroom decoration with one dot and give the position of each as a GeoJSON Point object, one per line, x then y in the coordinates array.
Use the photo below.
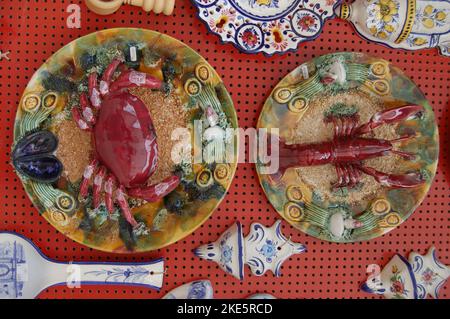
{"type": "Point", "coordinates": [404, 24]}
{"type": "Point", "coordinates": [105, 7]}
{"type": "Point", "coordinates": [415, 278]}
{"type": "Point", "coordinates": [264, 248]}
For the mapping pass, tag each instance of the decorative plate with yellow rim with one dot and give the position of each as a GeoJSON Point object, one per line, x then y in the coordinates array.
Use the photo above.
{"type": "Point", "coordinates": [356, 143]}
{"type": "Point", "coordinates": [120, 139]}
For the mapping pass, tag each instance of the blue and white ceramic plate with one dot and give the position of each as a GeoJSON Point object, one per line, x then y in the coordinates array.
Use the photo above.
{"type": "Point", "coordinates": [269, 26]}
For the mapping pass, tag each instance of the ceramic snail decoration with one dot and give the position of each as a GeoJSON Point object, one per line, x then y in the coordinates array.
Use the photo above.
{"type": "Point", "coordinates": [415, 278]}
{"type": "Point", "coordinates": [103, 7]}
{"type": "Point", "coordinates": [125, 140]}
{"type": "Point", "coordinates": [405, 24]}
{"type": "Point", "coordinates": [264, 248]}
{"type": "Point", "coordinates": [348, 148]}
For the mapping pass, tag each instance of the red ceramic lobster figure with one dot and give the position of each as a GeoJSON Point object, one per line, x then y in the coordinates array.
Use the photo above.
{"type": "Point", "coordinates": [348, 149]}
{"type": "Point", "coordinates": [125, 140]}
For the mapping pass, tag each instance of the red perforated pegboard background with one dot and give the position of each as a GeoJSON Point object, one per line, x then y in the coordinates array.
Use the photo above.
{"type": "Point", "coordinates": [33, 30]}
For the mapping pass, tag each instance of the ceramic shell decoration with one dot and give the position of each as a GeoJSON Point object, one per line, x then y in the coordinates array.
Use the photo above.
{"type": "Point", "coordinates": [313, 110]}
{"type": "Point", "coordinates": [404, 24]}
{"type": "Point", "coordinates": [269, 26]}
{"type": "Point", "coordinates": [53, 154]}
{"type": "Point", "coordinates": [264, 248]}
{"type": "Point", "coordinates": [415, 278]}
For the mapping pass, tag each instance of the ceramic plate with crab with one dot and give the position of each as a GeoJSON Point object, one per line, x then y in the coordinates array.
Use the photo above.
{"type": "Point", "coordinates": [357, 144]}
{"type": "Point", "coordinates": [269, 26]}
{"type": "Point", "coordinates": [105, 135]}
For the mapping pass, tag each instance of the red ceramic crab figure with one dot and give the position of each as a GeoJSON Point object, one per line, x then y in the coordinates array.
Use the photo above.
{"type": "Point", "coordinates": [348, 149]}
{"type": "Point", "coordinates": [125, 140]}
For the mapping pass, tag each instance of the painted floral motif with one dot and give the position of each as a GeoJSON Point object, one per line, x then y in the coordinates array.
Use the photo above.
{"type": "Point", "coordinates": [307, 23]}
{"type": "Point", "coordinates": [125, 275]}
{"type": "Point", "coordinates": [416, 41]}
{"type": "Point", "coordinates": [226, 251]}
{"type": "Point", "coordinates": [12, 270]}
{"type": "Point", "coordinates": [431, 17]}
{"type": "Point", "coordinates": [395, 24]}
{"type": "Point", "coordinates": [269, 26]}
{"type": "Point", "coordinates": [228, 15]}
{"type": "Point", "coordinates": [197, 290]}
{"type": "Point", "coordinates": [398, 284]}
{"type": "Point", "coordinates": [269, 250]}
{"type": "Point", "coordinates": [264, 3]}
{"type": "Point", "coordinates": [383, 17]}
{"type": "Point", "coordinates": [280, 42]}
{"type": "Point", "coordinates": [250, 38]}
{"type": "Point", "coordinates": [428, 277]}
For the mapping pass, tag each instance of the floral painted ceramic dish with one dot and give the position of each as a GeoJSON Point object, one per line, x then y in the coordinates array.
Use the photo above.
{"type": "Point", "coordinates": [409, 24]}
{"type": "Point", "coordinates": [269, 26]}
{"type": "Point", "coordinates": [358, 147]}
{"type": "Point", "coordinates": [108, 162]}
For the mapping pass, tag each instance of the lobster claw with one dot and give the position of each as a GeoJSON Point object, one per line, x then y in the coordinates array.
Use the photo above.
{"type": "Point", "coordinates": [408, 180]}
{"type": "Point", "coordinates": [390, 116]}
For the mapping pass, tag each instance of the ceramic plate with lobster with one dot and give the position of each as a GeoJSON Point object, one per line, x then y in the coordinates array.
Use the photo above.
{"type": "Point", "coordinates": [357, 144]}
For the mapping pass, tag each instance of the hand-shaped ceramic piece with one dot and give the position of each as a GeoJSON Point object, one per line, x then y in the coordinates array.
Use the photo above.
{"type": "Point", "coordinates": [413, 279]}
{"type": "Point", "coordinates": [263, 249]}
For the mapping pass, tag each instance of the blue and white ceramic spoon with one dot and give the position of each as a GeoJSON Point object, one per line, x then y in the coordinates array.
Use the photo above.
{"type": "Point", "coordinates": [25, 271]}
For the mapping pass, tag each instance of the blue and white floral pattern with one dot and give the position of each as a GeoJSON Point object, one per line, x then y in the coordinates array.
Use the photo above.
{"type": "Point", "coordinates": [12, 270]}
{"type": "Point", "coordinates": [269, 26]}
{"type": "Point", "coordinates": [131, 274]}
{"type": "Point", "coordinates": [227, 251]}
{"type": "Point", "coordinates": [201, 289]}
{"type": "Point", "coordinates": [269, 250]}
{"type": "Point", "coordinates": [266, 248]}
{"type": "Point", "coordinates": [197, 290]}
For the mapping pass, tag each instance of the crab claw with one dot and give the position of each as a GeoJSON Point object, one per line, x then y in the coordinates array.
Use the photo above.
{"type": "Point", "coordinates": [78, 118]}
{"type": "Point", "coordinates": [88, 172]}
{"type": "Point", "coordinates": [107, 76]}
{"type": "Point", "coordinates": [98, 183]}
{"type": "Point", "coordinates": [389, 116]}
{"type": "Point", "coordinates": [94, 93]}
{"type": "Point", "coordinates": [132, 78]}
{"type": "Point", "coordinates": [86, 109]}
{"type": "Point", "coordinates": [408, 180]}
{"type": "Point", "coordinates": [126, 211]}
{"type": "Point", "coordinates": [110, 184]}
{"type": "Point", "coordinates": [155, 192]}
